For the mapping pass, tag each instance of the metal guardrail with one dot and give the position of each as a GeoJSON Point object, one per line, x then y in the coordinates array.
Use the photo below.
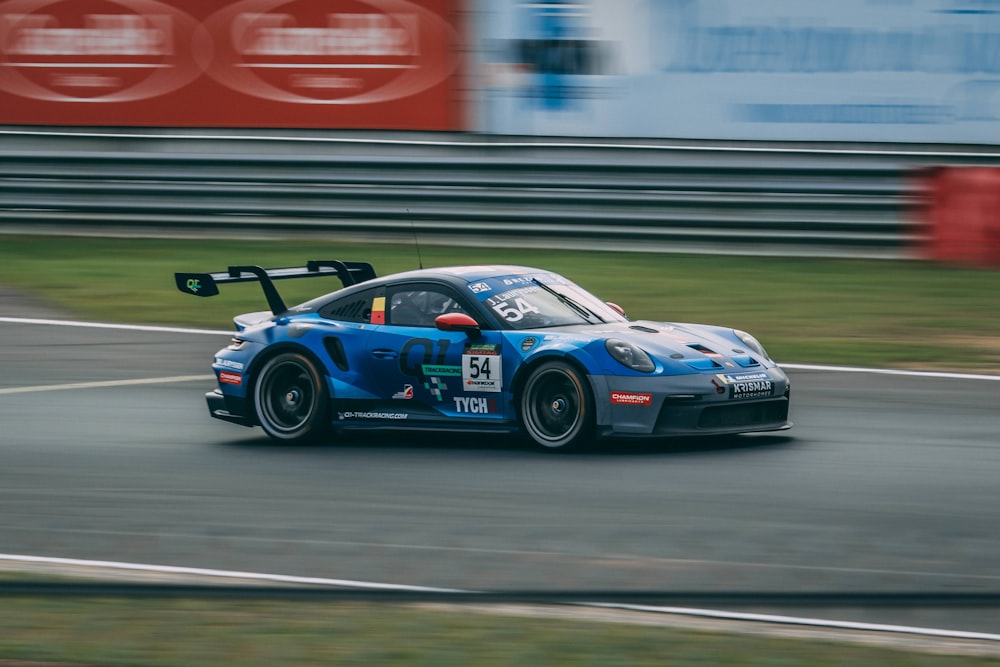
{"type": "Point", "coordinates": [187, 591]}
{"type": "Point", "coordinates": [462, 190]}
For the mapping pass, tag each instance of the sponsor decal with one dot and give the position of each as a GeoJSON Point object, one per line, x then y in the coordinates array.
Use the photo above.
{"type": "Point", "coordinates": [482, 349]}
{"type": "Point", "coordinates": [520, 280]}
{"type": "Point", "coordinates": [229, 363]}
{"type": "Point", "coordinates": [745, 385]}
{"type": "Point", "coordinates": [352, 52]}
{"type": "Point", "coordinates": [560, 55]}
{"type": "Point", "coordinates": [193, 285]}
{"type": "Point", "coordinates": [436, 386]}
{"type": "Point", "coordinates": [482, 368]}
{"type": "Point", "coordinates": [483, 385]}
{"type": "Point", "coordinates": [751, 389]}
{"type": "Point", "coordinates": [98, 52]}
{"type": "Point", "coordinates": [512, 293]}
{"type": "Point", "coordinates": [730, 378]}
{"type": "Point", "coordinates": [396, 416]}
{"type": "Point", "coordinates": [226, 377]}
{"type": "Point", "coordinates": [406, 393]}
{"type": "Point", "coordinates": [631, 398]}
{"type": "Point", "coordinates": [479, 288]}
{"type": "Point", "coordinates": [429, 353]}
{"type": "Point", "coordinates": [441, 370]}
{"type": "Point", "coordinates": [190, 63]}
{"type": "Point", "coordinates": [476, 405]}
{"type": "Point", "coordinates": [528, 343]}
{"type": "Point", "coordinates": [548, 278]}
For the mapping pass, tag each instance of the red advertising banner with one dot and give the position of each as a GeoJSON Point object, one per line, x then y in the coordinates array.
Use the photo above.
{"type": "Point", "coordinates": [960, 221]}
{"type": "Point", "coordinates": [375, 64]}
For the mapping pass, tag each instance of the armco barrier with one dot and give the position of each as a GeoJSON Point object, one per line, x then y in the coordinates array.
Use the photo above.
{"type": "Point", "coordinates": [463, 189]}
{"type": "Point", "coordinates": [963, 215]}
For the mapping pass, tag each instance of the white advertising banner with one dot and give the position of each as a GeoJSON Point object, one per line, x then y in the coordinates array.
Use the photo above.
{"type": "Point", "coordinates": [794, 70]}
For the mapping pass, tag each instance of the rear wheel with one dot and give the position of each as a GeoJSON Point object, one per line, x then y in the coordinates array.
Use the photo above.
{"type": "Point", "coordinates": [291, 399]}
{"type": "Point", "coordinates": [557, 407]}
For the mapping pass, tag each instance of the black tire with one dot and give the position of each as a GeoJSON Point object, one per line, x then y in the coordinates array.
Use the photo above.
{"type": "Point", "coordinates": [556, 407]}
{"type": "Point", "coordinates": [291, 400]}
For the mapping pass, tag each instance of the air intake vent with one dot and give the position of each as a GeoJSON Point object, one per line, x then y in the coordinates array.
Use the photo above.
{"type": "Point", "coordinates": [708, 363]}
{"type": "Point", "coordinates": [703, 364]}
{"type": "Point", "coordinates": [336, 351]}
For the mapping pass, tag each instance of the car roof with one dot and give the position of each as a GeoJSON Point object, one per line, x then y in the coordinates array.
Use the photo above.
{"type": "Point", "coordinates": [467, 274]}
{"type": "Point", "coordinates": [454, 275]}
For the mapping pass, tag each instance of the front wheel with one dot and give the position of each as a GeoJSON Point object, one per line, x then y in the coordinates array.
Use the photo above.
{"type": "Point", "coordinates": [290, 398]}
{"type": "Point", "coordinates": [557, 407]}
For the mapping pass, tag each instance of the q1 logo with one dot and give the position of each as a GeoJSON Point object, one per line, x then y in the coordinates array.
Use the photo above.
{"type": "Point", "coordinates": [193, 284]}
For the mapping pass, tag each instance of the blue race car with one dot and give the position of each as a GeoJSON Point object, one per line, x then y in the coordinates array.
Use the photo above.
{"type": "Point", "coordinates": [480, 348]}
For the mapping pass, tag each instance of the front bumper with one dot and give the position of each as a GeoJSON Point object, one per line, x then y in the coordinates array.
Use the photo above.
{"type": "Point", "coordinates": [233, 409]}
{"type": "Point", "coordinates": [685, 405]}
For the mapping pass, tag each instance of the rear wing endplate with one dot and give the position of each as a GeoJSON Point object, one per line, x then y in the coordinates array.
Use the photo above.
{"type": "Point", "coordinates": [207, 284]}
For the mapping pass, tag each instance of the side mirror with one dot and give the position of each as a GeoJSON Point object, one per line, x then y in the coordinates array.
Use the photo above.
{"type": "Point", "coordinates": [615, 307]}
{"type": "Point", "coordinates": [457, 322]}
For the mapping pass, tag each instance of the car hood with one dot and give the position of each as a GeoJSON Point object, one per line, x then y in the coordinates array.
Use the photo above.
{"type": "Point", "coordinates": [698, 347]}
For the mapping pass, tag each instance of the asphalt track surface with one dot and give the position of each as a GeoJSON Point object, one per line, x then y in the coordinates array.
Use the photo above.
{"type": "Point", "coordinates": [886, 483]}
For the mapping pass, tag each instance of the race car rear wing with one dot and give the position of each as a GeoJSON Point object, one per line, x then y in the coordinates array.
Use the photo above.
{"type": "Point", "coordinates": [207, 284]}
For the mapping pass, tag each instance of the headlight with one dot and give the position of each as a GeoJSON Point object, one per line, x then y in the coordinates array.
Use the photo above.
{"type": "Point", "coordinates": [752, 343]}
{"type": "Point", "coordinates": [630, 355]}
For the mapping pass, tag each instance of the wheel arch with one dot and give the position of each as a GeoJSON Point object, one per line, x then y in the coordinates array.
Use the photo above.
{"type": "Point", "coordinates": [526, 369]}
{"type": "Point", "coordinates": [534, 424]}
{"type": "Point", "coordinates": [272, 351]}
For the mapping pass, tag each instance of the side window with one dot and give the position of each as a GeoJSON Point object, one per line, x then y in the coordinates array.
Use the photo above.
{"type": "Point", "coordinates": [418, 306]}
{"type": "Point", "coordinates": [355, 307]}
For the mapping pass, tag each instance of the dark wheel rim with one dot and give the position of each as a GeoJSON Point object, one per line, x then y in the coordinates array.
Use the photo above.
{"type": "Point", "coordinates": [288, 396]}
{"type": "Point", "coordinates": [553, 406]}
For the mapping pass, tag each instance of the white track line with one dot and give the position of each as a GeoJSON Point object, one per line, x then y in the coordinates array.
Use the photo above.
{"type": "Point", "coordinates": [372, 585]}
{"type": "Point", "coordinates": [217, 332]}
{"type": "Point", "coordinates": [124, 327]}
{"type": "Point", "coordinates": [891, 371]}
{"type": "Point", "coordinates": [793, 620]}
{"type": "Point", "coordinates": [106, 383]}
{"type": "Point", "coordinates": [229, 574]}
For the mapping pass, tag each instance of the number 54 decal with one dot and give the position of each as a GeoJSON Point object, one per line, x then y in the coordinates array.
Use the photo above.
{"type": "Point", "coordinates": [515, 312]}
{"type": "Point", "coordinates": [482, 369]}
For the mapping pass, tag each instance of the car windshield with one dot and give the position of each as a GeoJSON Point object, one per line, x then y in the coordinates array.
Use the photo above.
{"type": "Point", "coordinates": [540, 304]}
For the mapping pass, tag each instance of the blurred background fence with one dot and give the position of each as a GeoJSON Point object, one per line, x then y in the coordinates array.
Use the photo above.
{"type": "Point", "coordinates": [698, 125]}
{"type": "Point", "coordinates": [472, 189]}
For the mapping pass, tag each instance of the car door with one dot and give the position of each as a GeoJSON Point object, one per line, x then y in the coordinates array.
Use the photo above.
{"type": "Point", "coordinates": [428, 374]}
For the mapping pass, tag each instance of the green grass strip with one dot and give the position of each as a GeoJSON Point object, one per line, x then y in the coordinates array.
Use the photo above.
{"type": "Point", "coordinates": [183, 633]}
{"type": "Point", "coordinates": [837, 311]}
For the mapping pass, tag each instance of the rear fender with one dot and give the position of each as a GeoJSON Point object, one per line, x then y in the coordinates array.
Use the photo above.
{"type": "Point", "coordinates": [272, 351]}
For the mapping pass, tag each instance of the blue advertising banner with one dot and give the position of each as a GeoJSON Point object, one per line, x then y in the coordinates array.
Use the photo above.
{"type": "Point", "coordinates": [793, 70]}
